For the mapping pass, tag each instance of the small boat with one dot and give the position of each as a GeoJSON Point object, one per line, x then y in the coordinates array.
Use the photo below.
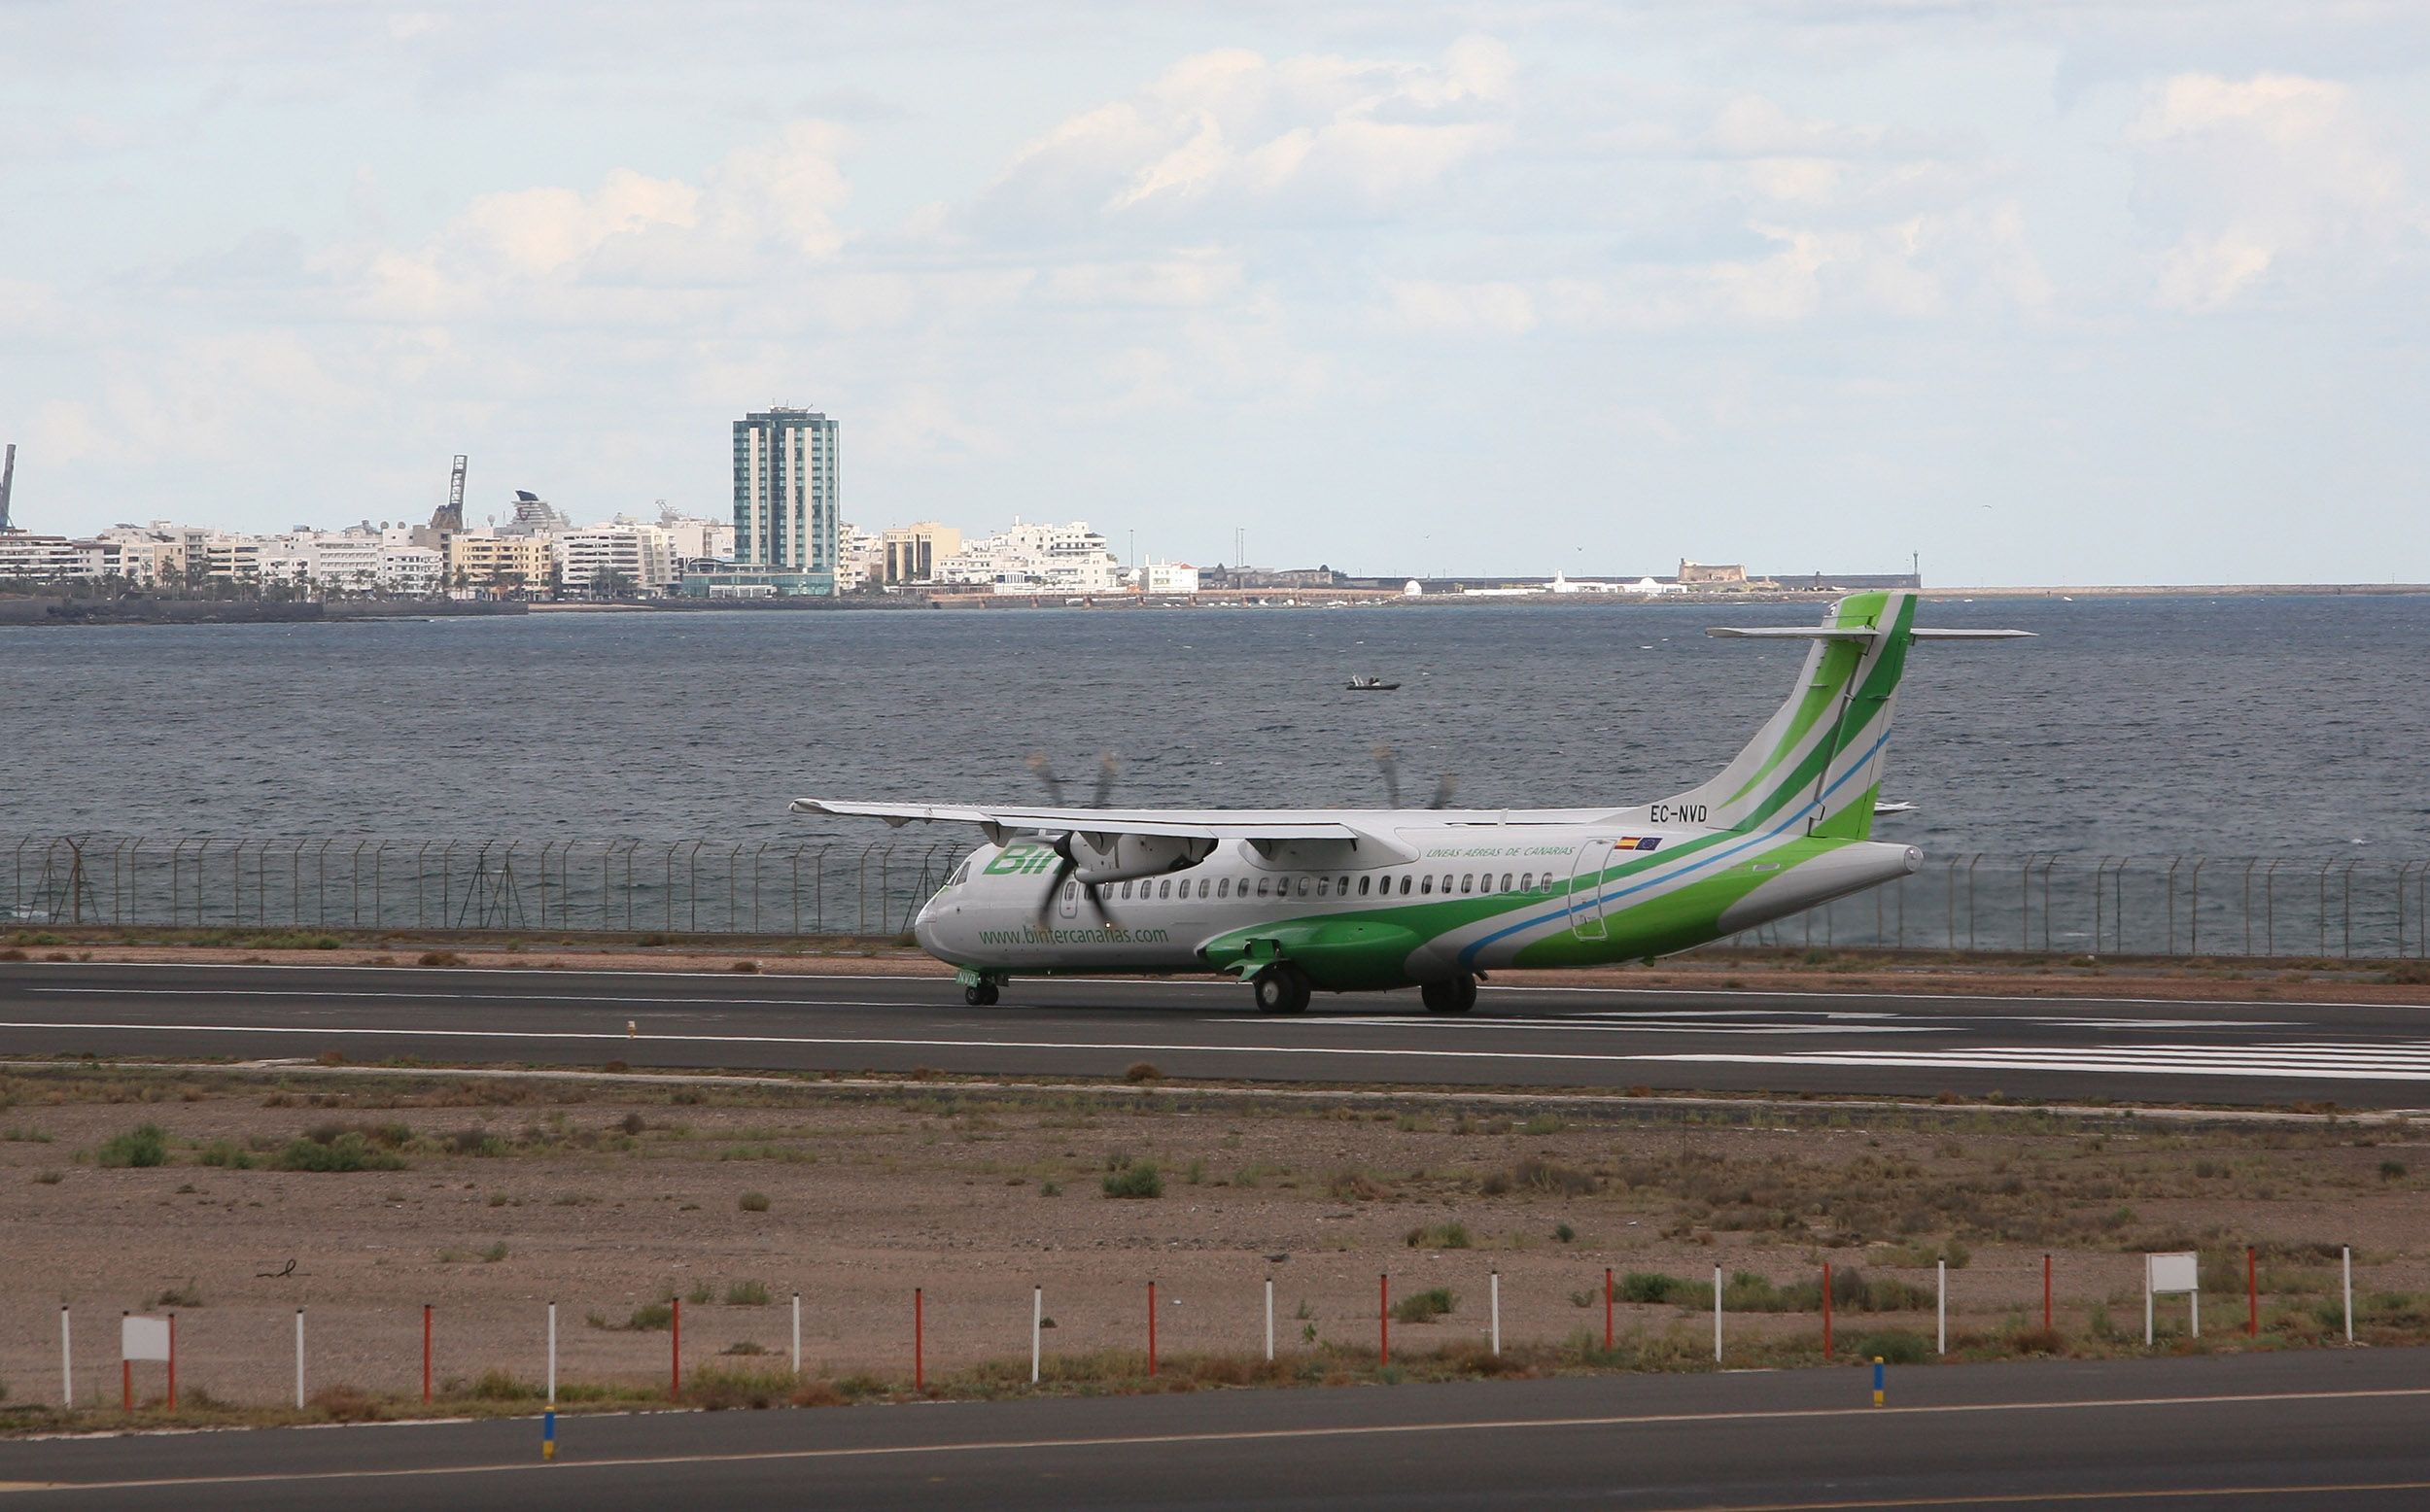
{"type": "Point", "coordinates": [1371, 685]}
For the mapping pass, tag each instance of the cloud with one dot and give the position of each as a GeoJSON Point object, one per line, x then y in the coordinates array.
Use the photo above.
{"type": "Point", "coordinates": [629, 246]}
{"type": "Point", "coordinates": [1231, 128]}
{"type": "Point", "coordinates": [2276, 179]}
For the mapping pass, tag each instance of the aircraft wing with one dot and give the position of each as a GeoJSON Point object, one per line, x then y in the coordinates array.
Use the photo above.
{"type": "Point", "coordinates": [1180, 823]}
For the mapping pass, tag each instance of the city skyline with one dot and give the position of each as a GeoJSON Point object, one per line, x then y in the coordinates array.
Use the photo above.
{"type": "Point", "coordinates": [2043, 292]}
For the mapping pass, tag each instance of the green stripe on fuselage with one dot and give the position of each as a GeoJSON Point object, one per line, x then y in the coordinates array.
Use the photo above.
{"type": "Point", "coordinates": [1369, 949]}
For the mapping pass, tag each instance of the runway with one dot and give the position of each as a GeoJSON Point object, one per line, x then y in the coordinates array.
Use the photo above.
{"type": "Point", "coordinates": [2314, 1429]}
{"type": "Point", "coordinates": [2048, 1048]}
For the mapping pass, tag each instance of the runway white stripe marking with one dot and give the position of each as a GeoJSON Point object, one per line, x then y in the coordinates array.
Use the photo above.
{"type": "Point", "coordinates": [613, 1037]}
{"type": "Point", "coordinates": [2039, 1000]}
{"type": "Point", "coordinates": [2397, 1065]}
{"type": "Point", "coordinates": [467, 996]}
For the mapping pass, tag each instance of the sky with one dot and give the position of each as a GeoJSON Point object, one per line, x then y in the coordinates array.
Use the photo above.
{"type": "Point", "coordinates": [2034, 290]}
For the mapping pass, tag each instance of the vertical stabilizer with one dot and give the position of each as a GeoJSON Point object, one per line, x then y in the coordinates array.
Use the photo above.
{"type": "Point", "coordinates": [1815, 767]}
{"type": "Point", "coordinates": [8, 481]}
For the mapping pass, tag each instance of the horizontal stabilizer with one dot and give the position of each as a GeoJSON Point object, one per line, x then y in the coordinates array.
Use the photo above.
{"type": "Point", "coordinates": [1971, 634]}
{"type": "Point", "coordinates": [1792, 632]}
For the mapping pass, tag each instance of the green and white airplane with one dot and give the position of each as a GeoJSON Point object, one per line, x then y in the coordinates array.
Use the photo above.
{"type": "Point", "coordinates": [1360, 900]}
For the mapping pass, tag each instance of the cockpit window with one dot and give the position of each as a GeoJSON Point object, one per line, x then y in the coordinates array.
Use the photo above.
{"type": "Point", "coordinates": [961, 873]}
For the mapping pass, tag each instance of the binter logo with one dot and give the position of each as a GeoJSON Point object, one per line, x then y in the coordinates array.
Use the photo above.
{"type": "Point", "coordinates": [1020, 860]}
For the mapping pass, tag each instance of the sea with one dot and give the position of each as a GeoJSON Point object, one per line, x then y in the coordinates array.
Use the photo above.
{"type": "Point", "coordinates": [2228, 726]}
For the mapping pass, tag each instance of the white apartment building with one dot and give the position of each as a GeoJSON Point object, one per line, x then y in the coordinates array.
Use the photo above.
{"type": "Point", "coordinates": [1033, 557]}
{"type": "Point", "coordinates": [691, 539]}
{"type": "Point", "coordinates": [25, 556]}
{"type": "Point", "coordinates": [346, 560]}
{"type": "Point", "coordinates": [860, 559]}
{"type": "Point", "coordinates": [412, 571]}
{"type": "Point", "coordinates": [1163, 577]}
{"type": "Point", "coordinates": [641, 554]}
{"type": "Point", "coordinates": [160, 550]}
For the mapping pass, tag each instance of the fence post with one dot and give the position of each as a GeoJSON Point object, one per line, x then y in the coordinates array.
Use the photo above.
{"type": "Point", "coordinates": [426, 1353]}
{"type": "Point", "coordinates": [2046, 1292]}
{"type": "Point", "coordinates": [1270, 1320]}
{"type": "Point", "coordinates": [172, 1362]}
{"type": "Point", "coordinates": [1150, 1330]}
{"type": "Point", "coordinates": [1717, 1314]}
{"type": "Point", "coordinates": [1940, 1307]}
{"type": "Point", "coordinates": [1826, 1309]}
{"type": "Point", "coordinates": [674, 1348]}
{"type": "Point", "coordinates": [2252, 1296]}
{"type": "Point", "coordinates": [299, 1399]}
{"type": "Point", "coordinates": [919, 1362]}
{"type": "Point", "coordinates": [67, 1355]}
{"type": "Point", "coordinates": [797, 1333]}
{"type": "Point", "coordinates": [2345, 1263]}
{"type": "Point", "coordinates": [1497, 1312]}
{"type": "Point", "coordinates": [1038, 1331]}
{"type": "Point", "coordinates": [1383, 1320]}
{"type": "Point", "coordinates": [552, 1353]}
{"type": "Point", "coordinates": [1607, 1309]}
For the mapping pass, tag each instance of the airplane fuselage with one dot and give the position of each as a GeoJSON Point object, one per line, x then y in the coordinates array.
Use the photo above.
{"type": "Point", "coordinates": [1416, 899]}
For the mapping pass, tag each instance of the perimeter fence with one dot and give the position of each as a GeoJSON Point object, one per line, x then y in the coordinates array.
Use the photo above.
{"type": "Point", "coordinates": [2067, 905]}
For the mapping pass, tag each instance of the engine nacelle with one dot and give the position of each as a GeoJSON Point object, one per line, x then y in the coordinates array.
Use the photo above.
{"type": "Point", "coordinates": [1099, 858]}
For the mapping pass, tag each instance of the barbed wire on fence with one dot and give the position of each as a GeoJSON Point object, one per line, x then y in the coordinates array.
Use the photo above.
{"type": "Point", "coordinates": [2040, 904]}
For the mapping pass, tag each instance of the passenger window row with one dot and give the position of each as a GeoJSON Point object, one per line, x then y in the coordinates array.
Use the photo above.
{"type": "Point", "coordinates": [1301, 885]}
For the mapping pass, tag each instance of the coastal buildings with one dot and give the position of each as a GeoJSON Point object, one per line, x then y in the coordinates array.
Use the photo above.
{"type": "Point", "coordinates": [786, 519]}
{"type": "Point", "coordinates": [489, 560]}
{"type": "Point", "coordinates": [912, 552]}
{"type": "Point", "coordinates": [1029, 558]}
{"type": "Point", "coordinates": [632, 556]}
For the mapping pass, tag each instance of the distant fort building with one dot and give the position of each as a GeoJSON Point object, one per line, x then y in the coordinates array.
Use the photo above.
{"type": "Point", "coordinates": [1711, 574]}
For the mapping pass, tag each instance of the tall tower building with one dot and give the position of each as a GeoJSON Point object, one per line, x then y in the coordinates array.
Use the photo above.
{"type": "Point", "coordinates": [784, 492]}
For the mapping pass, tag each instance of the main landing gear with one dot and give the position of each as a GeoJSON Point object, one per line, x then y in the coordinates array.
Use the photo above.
{"type": "Point", "coordinates": [1456, 996]}
{"type": "Point", "coordinates": [1280, 988]}
{"type": "Point", "coordinates": [980, 991]}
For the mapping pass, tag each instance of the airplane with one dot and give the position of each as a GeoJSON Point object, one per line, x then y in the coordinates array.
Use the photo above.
{"type": "Point", "coordinates": [1355, 900]}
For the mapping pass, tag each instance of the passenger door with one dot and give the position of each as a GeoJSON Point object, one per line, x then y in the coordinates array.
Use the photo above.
{"type": "Point", "coordinates": [1586, 897]}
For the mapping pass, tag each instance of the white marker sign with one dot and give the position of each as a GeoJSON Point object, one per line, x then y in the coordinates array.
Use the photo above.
{"type": "Point", "coordinates": [2178, 1273]}
{"type": "Point", "coordinates": [144, 1338]}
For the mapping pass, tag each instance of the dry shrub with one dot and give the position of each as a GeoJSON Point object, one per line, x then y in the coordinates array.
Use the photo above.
{"type": "Point", "coordinates": [1537, 1173]}
{"type": "Point", "coordinates": [346, 1404]}
{"type": "Point", "coordinates": [2038, 1341]}
{"type": "Point", "coordinates": [817, 1394]}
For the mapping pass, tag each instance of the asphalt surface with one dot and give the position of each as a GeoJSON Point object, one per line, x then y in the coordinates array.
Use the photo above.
{"type": "Point", "coordinates": [2062, 1049]}
{"type": "Point", "coordinates": [2316, 1429]}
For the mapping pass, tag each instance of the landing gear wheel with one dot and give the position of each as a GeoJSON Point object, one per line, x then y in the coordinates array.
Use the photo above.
{"type": "Point", "coordinates": [980, 994]}
{"type": "Point", "coordinates": [1280, 988]}
{"type": "Point", "coordinates": [1456, 996]}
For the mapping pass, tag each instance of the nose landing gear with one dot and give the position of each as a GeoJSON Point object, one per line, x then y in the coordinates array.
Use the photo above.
{"type": "Point", "coordinates": [980, 990]}
{"type": "Point", "coordinates": [1457, 995]}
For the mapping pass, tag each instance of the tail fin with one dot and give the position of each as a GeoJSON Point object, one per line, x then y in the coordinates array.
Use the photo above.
{"type": "Point", "coordinates": [1815, 767]}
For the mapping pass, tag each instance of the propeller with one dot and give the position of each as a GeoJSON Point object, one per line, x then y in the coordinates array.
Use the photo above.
{"type": "Point", "coordinates": [1042, 767]}
{"type": "Point", "coordinates": [1388, 762]}
{"type": "Point", "coordinates": [1109, 767]}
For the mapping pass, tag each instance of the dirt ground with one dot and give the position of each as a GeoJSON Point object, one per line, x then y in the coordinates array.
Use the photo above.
{"type": "Point", "coordinates": [505, 1194]}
